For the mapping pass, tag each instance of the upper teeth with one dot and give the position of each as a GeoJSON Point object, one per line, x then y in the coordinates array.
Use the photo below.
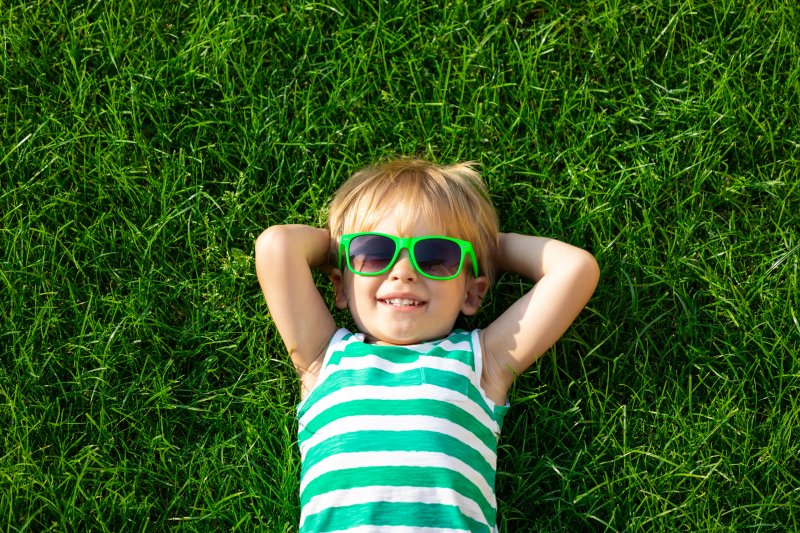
{"type": "Point", "coordinates": [401, 301]}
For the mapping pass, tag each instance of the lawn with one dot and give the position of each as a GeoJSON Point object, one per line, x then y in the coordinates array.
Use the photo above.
{"type": "Point", "coordinates": [145, 145]}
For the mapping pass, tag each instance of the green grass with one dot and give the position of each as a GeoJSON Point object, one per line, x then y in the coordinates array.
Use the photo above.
{"type": "Point", "coordinates": [146, 144]}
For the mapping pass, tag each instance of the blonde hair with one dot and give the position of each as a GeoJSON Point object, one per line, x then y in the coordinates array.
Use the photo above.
{"type": "Point", "coordinates": [452, 197]}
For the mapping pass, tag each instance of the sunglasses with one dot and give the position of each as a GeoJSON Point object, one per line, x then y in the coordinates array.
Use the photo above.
{"type": "Point", "coordinates": [435, 257]}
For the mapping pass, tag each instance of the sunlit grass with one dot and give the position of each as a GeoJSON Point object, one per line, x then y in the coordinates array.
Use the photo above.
{"type": "Point", "coordinates": [145, 145]}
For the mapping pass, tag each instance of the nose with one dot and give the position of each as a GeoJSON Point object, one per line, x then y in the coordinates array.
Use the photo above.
{"type": "Point", "coordinates": [403, 269]}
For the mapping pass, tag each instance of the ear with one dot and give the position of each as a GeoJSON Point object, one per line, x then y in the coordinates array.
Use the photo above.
{"type": "Point", "coordinates": [337, 279]}
{"type": "Point", "coordinates": [476, 289]}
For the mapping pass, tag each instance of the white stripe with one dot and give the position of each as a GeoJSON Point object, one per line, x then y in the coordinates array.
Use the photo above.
{"type": "Point", "coordinates": [374, 494]}
{"type": "Point", "coordinates": [477, 355]}
{"type": "Point", "coordinates": [399, 529]}
{"type": "Point", "coordinates": [352, 424]}
{"type": "Point", "coordinates": [349, 460]}
{"type": "Point", "coordinates": [425, 361]}
{"type": "Point", "coordinates": [371, 392]}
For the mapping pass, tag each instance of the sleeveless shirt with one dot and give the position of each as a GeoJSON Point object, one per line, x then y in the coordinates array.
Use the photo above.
{"type": "Point", "coordinates": [399, 439]}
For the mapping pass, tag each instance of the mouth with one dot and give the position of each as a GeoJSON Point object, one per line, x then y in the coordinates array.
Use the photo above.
{"type": "Point", "coordinates": [402, 302]}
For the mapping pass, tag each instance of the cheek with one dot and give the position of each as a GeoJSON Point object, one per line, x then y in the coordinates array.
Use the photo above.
{"type": "Point", "coordinates": [452, 296]}
{"type": "Point", "coordinates": [362, 287]}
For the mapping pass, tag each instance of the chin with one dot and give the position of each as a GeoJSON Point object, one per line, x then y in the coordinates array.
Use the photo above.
{"type": "Point", "coordinates": [403, 334]}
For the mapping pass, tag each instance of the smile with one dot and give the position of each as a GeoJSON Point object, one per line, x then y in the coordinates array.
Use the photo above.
{"type": "Point", "coordinates": [402, 302]}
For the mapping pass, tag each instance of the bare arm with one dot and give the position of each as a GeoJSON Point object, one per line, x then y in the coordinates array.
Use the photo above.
{"type": "Point", "coordinates": [285, 256]}
{"type": "Point", "coordinates": [565, 278]}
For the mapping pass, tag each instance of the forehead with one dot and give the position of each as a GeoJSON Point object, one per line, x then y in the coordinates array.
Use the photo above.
{"type": "Point", "coordinates": [402, 225]}
{"type": "Point", "coordinates": [404, 217]}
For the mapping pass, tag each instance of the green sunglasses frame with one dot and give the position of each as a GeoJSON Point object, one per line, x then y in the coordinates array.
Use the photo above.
{"type": "Point", "coordinates": [407, 243]}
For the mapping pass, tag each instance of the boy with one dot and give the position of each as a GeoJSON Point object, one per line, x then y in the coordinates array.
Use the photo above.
{"type": "Point", "coordinates": [398, 423]}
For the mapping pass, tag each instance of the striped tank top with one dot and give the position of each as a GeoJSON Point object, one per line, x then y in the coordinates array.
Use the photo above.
{"type": "Point", "coordinates": [399, 439]}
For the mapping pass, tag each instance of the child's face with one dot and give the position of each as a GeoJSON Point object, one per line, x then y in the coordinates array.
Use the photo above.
{"type": "Point", "coordinates": [402, 306]}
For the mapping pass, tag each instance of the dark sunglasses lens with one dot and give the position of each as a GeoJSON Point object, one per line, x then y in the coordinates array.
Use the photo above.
{"type": "Point", "coordinates": [438, 257]}
{"type": "Point", "coordinates": [370, 253]}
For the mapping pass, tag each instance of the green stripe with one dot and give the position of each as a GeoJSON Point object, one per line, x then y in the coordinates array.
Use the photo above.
{"type": "Point", "coordinates": [391, 514]}
{"type": "Point", "coordinates": [394, 354]}
{"type": "Point", "coordinates": [399, 476]}
{"type": "Point", "coordinates": [458, 383]}
{"type": "Point", "coordinates": [406, 441]}
{"type": "Point", "coordinates": [341, 379]}
{"type": "Point", "coordinates": [446, 379]}
{"type": "Point", "coordinates": [400, 407]}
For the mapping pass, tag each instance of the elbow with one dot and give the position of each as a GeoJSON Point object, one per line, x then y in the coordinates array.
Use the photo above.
{"type": "Point", "coordinates": [262, 243]}
{"type": "Point", "coordinates": [271, 238]}
{"type": "Point", "coordinates": [589, 270]}
{"type": "Point", "coordinates": [278, 234]}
